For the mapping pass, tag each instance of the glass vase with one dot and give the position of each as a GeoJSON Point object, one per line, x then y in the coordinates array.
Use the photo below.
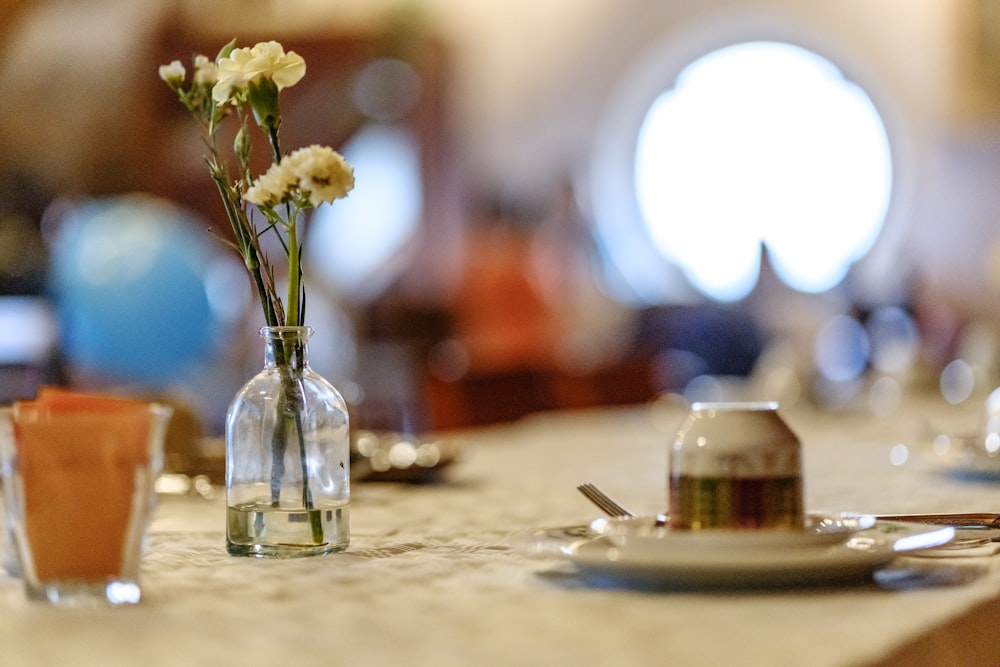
{"type": "Point", "coordinates": [287, 457]}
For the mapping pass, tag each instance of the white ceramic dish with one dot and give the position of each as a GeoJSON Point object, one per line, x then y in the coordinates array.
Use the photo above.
{"type": "Point", "coordinates": [848, 553]}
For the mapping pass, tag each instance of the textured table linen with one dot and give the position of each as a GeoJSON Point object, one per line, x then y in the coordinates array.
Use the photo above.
{"type": "Point", "coordinates": [431, 577]}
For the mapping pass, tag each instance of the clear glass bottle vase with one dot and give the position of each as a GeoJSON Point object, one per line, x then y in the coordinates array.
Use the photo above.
{"type": "Point", "coordinates": [287, 457]}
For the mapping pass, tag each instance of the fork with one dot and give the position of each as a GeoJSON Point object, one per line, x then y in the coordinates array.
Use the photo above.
{"type": "Point", "coordinates": [603, 501]}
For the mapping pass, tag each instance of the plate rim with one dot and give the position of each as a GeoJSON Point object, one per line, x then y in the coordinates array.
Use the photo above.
{"type": "Point", "coordinates": [857, 557]}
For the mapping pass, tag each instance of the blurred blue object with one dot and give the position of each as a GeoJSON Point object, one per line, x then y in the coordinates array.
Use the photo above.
{"type": "Point", "coordinates": [127, 277]}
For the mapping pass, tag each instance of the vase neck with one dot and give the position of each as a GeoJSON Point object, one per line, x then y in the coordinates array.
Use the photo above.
{"type": "Point", "coordinates": [286, 347]}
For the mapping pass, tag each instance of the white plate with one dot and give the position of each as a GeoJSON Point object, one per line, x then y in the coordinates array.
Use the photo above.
{"type": "Point", "coordinates": [732, 560]}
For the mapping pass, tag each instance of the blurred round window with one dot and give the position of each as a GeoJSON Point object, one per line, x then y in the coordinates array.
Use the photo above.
{"type": "Point", "coordinates": [757, 145]}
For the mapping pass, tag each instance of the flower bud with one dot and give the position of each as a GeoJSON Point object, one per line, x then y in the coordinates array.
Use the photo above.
{"type": "Point", "coordinates": [241, 143]}
{"type": "Point", "coordinates": [205, 72]}
{"type": "Point", "coordinates": [263, 98]}
{"type": "Point", "coordinates": [173, 73]}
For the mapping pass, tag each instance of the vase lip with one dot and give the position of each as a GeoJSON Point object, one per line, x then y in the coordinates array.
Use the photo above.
{"type": "Point", "coordinates": [285, 330]}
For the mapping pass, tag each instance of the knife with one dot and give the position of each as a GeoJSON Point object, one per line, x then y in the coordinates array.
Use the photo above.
{"type": "Point", "coordinates": [959, 520]}
{"type": "Point", "coordinates": [972, 529]}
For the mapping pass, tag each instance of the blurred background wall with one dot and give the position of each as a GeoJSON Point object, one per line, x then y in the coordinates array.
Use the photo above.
{"type": "Point", "coordinates": [504, 136]}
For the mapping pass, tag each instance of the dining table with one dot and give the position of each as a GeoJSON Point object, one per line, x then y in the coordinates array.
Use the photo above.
{"type": "Point", "coordinates": [442, 573]}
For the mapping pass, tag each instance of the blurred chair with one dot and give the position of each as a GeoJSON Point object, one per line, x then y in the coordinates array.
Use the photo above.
{"type": "Point", "coordinates": [687, 341]}
{"type": "Point", "coordinates": [28, 331]}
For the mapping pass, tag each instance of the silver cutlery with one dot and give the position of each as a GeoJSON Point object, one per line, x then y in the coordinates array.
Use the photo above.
{"type": "Point", "coordinates": [603, 501]}
{"type": "Point", "coordinates": [982, 520]}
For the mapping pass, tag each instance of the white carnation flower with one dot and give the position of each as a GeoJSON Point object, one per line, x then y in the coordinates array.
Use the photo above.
{"type": "Point", "coordinates": [273, 187]}
{"type": "Point", "coordinates": [265, 60]}
{"type": "Point", "coordinates": [323, 174]}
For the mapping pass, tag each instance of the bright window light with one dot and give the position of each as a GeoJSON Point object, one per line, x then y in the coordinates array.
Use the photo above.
{"type": "Point", "coordinates": [762, 143]}
{"type": "Point", "coordinates": [355, 243]}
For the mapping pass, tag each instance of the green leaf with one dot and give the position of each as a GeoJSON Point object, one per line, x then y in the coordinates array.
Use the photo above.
{"type": "Point", "coordinates": [226, 50]}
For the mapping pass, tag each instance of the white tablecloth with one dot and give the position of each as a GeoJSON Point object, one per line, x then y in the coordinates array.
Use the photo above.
{"type": "Point", "coordinates": [431, 577]}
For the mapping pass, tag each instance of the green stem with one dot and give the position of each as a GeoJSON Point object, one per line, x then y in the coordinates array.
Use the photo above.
{"type": "Point", "coordinates": [243, 233]}
{"type": "Point", "coordinates": [248, 250]}
{"type": "Point", "coordinates": [291, 405]}
{"type": "Point", "coordinates": [280, 436]}
{"type": "Point", "coordinates": [294, 275]}
{"type": "Point", "coordinates": [272, 135]}
{"type": "Point", "coordinates": [315, 519]}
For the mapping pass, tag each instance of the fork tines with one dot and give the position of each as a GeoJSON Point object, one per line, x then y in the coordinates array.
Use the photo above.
{"type": "Point", "coordinates": [603, 502]}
